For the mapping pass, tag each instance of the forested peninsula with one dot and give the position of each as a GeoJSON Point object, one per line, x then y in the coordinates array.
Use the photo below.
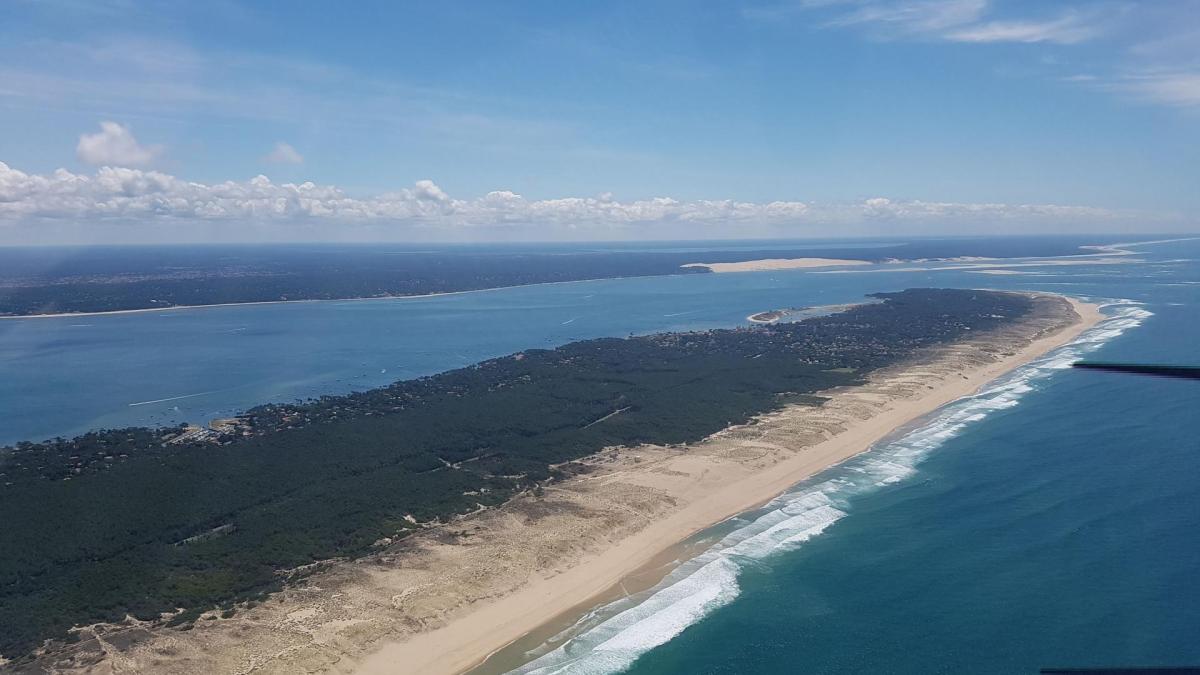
{"type": "Point", "coordinates": [164, 524]}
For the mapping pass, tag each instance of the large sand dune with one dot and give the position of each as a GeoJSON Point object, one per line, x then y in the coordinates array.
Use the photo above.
{"type": "Point", "coordinates": [767, 264]}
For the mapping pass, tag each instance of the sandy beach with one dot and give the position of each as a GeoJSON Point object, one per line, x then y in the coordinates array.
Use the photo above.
{"type": "Point", "coordinates": [444, 600]}
{"type": "Point", "coordinates": [466, 642]}
{"type": "Point", "coordinates": [987, 267]}
{"type": "Point", "coordinates": [768, 264]}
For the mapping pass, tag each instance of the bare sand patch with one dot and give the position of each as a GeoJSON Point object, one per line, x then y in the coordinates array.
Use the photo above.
{"type": "Point", "coordinates": [776, 264]}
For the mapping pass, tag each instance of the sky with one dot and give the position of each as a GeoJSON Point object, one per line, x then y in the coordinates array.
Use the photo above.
{"type": "Point", "coordinates": [152, 122]}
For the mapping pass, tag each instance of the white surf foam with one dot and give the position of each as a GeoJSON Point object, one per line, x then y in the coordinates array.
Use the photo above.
{"type": "Point", "coordinates": [610, 638]}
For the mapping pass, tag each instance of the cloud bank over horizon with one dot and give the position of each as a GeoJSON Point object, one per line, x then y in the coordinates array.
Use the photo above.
{"type": "Point", "coordinates": [755, 118]}
{"type": "Point", "coordinates": [61, 207]}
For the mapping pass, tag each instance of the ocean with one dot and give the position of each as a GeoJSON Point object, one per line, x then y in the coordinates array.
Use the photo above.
{"type": "Point", "coordinates": [1049, 520]}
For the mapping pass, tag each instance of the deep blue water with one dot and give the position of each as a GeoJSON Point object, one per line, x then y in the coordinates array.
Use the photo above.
{"type": "Point", "coordinates": [1051, 520]}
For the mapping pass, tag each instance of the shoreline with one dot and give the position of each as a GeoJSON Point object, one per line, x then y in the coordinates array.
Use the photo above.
{"type": "Point", "coordinates": [142, 310]}
{"type": "Point", "coordinates": [776, 264]}
{"type": "Point", "coordinates": [768, 317]}
{"type": "Point", "coordinates": [468, 640]}
{"type": "Point", "coordinates": [1102, 250]}
{"type": "Point", "coordinates": [439, 294]}
{"type": "Point", "coordinates": [415, 296]}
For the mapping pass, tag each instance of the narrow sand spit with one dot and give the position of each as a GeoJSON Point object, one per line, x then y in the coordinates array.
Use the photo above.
{"type": "Point", "coordinates": [442, 601]}
{"type": "Point", "coordinates": [776, 264]}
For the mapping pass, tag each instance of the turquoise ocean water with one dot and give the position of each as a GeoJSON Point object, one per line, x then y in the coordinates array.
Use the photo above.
{"type": "Point", "coordinates": [1050, 520]}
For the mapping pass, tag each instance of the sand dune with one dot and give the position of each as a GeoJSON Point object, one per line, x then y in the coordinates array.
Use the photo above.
{"type": "Point", "coordinates": [776, 264]}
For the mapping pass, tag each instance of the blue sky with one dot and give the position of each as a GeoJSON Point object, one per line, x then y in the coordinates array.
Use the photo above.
{"type": "Point", "coordinates": [851, 116]}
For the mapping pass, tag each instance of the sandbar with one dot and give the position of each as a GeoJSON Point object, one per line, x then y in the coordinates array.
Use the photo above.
{"type": "Point", "coordinates": [767, 264]}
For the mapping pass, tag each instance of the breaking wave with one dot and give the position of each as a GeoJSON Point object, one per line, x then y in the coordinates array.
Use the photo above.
{"type": "Point", "coordinates": [610, 638]}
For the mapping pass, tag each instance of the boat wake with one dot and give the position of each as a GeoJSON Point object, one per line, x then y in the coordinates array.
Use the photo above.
{"type": "Point", "coordinates": [610, 638]}
{"type": "Point", "coordinates": [173, 398]}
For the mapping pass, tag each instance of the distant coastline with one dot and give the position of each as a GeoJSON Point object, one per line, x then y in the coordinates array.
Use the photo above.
{"type": "Point", "coordinates": [770, 264]}
{"type": "Point", "coordinates": [143, 310]}
{"type": "Point", "coordinates": [416, 296]}
{"type": "Point", "coordinates": [816, 267]}
{"type": "Point", "coordinates": [20, 305]}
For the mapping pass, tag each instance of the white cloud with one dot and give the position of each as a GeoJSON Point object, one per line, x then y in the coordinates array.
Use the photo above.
{"type": "Point", "coordinates": [283, 153]}
{"type": "Point", "coordinates": [966, 21]}
{"type": "Point", "coordinates": [917, 15]}
{"type": "Point", "coordinates": [1068, 29]}
{"type": "Point", "coordinates": [1157, 60]}
{"type": "Point", "coordinates": [155, 199]}
{"type": "Point", "coordinates": [919, 211]}
{"type": "Point", "coordinates": [1178, 88]}
{"type": "Point", "coordinates": [115, 145]}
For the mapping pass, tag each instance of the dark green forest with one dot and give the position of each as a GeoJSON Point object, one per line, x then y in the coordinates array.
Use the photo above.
{"type": "Point", "coordinates": [124, 521]}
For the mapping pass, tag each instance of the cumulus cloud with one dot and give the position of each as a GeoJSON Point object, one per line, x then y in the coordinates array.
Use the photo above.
{"type": "Point", "coordinates": [115, 145]}
{"type": "Point", "coordinates": [283, 153]}
{"type": "Point", "coordinates": [119, 194]}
